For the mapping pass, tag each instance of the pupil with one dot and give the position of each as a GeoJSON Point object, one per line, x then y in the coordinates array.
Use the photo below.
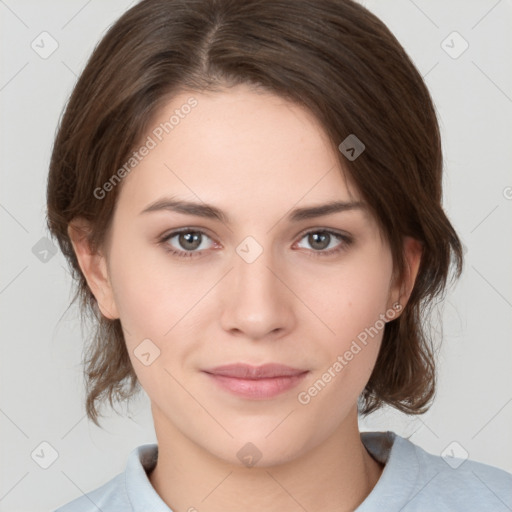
{"type": "Point", "coordinates": [319, 240]}
{"type": "Point", "coordinates": [190, 240]}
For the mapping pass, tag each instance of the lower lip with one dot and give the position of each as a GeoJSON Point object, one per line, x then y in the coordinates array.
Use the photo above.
{"type": "Point", "coordinates": [257, 388]}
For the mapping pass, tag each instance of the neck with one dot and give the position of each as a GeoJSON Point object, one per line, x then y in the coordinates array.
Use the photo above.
{"type": "Point", "coordinates": [336, 475]}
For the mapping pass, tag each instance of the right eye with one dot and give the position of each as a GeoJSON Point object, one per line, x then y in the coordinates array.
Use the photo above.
{"type": "Point", "coordinates": [188, 243]}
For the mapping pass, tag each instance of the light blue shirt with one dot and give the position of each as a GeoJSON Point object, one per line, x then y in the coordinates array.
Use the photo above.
{"type": "Point", "coordinates": [412, 480]}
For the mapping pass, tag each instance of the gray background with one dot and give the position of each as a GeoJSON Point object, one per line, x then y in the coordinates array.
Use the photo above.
{"type": "Point", "coordinates": [42, 389]}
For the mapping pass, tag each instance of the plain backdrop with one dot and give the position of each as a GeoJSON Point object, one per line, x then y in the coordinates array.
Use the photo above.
{"type": "Point", "coordinates": [42, 398]}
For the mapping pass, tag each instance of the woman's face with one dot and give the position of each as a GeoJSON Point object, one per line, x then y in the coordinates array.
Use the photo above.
{"type": "Point", "coordinates": [267, 280]}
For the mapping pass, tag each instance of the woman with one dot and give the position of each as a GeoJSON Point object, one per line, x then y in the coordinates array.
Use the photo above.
{"type": "Point", "coordinates": [249, 195]}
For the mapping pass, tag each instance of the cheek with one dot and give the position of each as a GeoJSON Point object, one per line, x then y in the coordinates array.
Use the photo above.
{"type": "Point", "coordinates": [350, 301]}
{"type": "Point", "coordinates": [161, 301]}
{"type": "Point", "coordinates": [350, 297]}
{"type": "Point", "coordinates": [152, 293]}
{"type": "Point", "coordinates": [351, 306]}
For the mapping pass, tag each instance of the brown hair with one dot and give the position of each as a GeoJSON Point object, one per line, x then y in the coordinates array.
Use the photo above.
{"type": "Point", "coordinates": [332, 56]}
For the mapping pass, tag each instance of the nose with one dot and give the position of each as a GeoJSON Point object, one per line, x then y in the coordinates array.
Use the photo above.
{"type": "Point", "coordinates": [256, 301]}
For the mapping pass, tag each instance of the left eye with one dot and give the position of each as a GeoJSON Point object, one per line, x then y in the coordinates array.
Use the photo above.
{"type": "Point", "coordinates": [325, 241]}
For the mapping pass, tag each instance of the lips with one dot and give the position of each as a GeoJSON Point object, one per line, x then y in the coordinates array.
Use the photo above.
{"type": "Point", "coordinates": [245, 371]}
{"type": "Point", "coordinates": [256, 382]}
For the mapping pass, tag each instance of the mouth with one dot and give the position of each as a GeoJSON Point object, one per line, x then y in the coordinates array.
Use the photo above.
{"type": "Point", "coordinates": [256, 382]}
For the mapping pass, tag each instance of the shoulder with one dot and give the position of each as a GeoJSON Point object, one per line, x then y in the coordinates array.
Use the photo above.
{"type": "Point", "coordinates": [110, 497]}
{"type": "Point", "coordinates": [130, 490]}
{"type": "Point", "coordinates": [459, 483]}
{"type": "Point", "coordinates": [415, 480]}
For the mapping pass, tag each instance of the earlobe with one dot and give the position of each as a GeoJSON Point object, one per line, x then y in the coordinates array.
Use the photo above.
{"type": "Point", "coordinates": [413, 250]}
{"type": "Point", "coordinates": [94, 267]}
{"type": "Point", "coordinates": [412, 253]}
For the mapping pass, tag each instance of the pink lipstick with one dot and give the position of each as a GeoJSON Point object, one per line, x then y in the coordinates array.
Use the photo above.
{"type": "Point", "coordinates": [256, 382]}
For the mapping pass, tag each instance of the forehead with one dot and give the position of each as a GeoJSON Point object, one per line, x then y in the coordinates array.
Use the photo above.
{"type": "Point", "coordinates": [240, 149]}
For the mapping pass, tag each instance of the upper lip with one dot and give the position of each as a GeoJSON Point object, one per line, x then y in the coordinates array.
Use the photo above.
{"type": "Point", "coordinates": [246, 371]}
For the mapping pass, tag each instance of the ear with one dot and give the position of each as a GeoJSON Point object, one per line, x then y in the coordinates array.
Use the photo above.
{"type": "Point", "coordinates": [400, 293]}
{"type": "Point", "coordinates": [93, 266]}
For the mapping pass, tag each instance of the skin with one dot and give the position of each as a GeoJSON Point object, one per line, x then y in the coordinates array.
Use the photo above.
{"type": "Point", "coordinates": [256, 157]}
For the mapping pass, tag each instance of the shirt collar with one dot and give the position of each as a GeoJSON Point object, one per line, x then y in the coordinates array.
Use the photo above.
{"type": "Point", "coordinates": [141, 493]}
{"type": "Point", "coordinates": [400, 473]}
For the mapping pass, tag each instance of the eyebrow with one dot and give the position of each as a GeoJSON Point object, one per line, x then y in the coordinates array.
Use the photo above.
{"type": "Point", "coordinates": [212, 212]}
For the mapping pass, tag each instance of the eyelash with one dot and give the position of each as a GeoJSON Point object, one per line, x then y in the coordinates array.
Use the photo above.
{"type": "Point", "coordinates": [345, 240]}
